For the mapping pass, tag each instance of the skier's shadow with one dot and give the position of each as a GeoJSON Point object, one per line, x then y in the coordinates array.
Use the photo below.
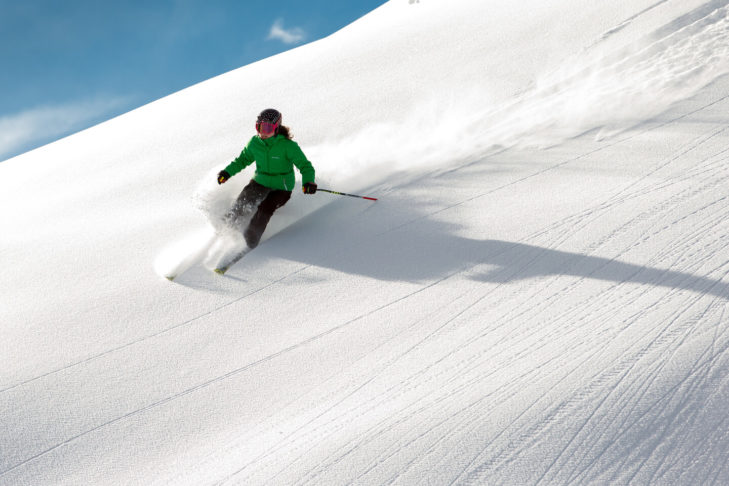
{"type": "Point", "coordinates": [427, 250]}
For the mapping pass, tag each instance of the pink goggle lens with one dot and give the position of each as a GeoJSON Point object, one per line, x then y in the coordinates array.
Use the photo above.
{"type": "Point", "coordinates": [266, 128]}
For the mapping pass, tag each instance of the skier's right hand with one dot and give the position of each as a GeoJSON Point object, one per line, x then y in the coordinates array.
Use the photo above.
{"type": "Point", "coordinates": [223, 176]}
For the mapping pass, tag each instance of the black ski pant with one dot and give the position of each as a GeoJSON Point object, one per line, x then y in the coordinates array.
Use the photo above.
{"type": "Point", "coordinates": [253, 208]}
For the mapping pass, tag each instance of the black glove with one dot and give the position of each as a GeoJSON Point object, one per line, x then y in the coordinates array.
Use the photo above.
{"type": "Point", "coordinates": [309, 188]}
{"type": "Point", "coordinates": [223, 176]}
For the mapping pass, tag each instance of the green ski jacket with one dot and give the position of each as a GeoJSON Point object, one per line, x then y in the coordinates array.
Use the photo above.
{"type": "Point", "coordinates": [275, 159]}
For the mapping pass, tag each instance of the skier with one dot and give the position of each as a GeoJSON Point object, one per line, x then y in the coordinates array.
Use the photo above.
{"type": "Point", "coordinates": [275, 155]}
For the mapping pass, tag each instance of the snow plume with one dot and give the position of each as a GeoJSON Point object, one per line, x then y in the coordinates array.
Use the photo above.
{"type": "Point", "coordinates": [214, 200]}
{"type": "Point", "coordinates": [610, 93]}
{"type": "Point", "coordinates": [184, 253]}
{"type": "Point", "coordinates": [432, 133]}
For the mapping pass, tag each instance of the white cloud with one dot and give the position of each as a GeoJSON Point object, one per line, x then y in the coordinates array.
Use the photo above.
{"type": "Point", "coordinates": [287, 36]}
{"type": "Point", "coordinates": [43, 124]}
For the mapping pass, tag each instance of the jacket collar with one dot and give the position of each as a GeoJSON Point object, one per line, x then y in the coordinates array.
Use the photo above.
{"type": "Point", "coordinates": [271, 141]}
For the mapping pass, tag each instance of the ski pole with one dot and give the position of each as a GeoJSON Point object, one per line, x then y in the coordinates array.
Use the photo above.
{"type": "Point", "coordinates": [345, 194]}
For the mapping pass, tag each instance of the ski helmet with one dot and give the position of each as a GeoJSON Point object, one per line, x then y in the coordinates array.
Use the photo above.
{"type": "Point", "coordinates": [268, 122]}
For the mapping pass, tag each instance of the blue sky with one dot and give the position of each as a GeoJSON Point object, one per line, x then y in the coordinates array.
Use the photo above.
{"type": "Point", "coordinates": [69, 64]}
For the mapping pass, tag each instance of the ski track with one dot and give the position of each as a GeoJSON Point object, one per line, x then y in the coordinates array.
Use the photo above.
{"type": "Point", "coordinates": [153, 335]}
{"type": "Point", "coordinates": [384, 366]}
{"type": "Point", "coordinates": [696, 236]}
{"type": "Point", "coordinates": [216, 379]}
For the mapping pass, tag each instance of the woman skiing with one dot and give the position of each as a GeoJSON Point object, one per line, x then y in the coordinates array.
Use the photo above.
{"type": "Point", "coordinates": [275, 155]}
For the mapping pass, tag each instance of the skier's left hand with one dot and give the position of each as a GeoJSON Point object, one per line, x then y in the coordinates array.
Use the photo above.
{"type": "Point", "coordinates": [309, 188]}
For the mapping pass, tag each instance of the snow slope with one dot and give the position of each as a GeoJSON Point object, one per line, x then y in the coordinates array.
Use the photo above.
{"type": "Point", "coordinates": [540, 296]}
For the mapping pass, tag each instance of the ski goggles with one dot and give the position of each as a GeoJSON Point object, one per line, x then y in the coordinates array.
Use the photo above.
{"type": "Point", "coordinates": [266, 128]}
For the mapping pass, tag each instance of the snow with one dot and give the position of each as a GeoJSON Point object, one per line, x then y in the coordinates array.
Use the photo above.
{"type": "Point", "coordinates": [540, 294]}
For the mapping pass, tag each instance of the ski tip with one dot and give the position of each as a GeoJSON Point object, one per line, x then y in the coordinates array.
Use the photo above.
{"type": "Point", "coordinates": [220, 271]}
{"type": "Point", "coordinates": [170, 277]}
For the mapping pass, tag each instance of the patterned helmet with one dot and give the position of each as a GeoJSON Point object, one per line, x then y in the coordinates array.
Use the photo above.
{"type": "Point", "coordinates": [270, 115]}
{"type": "Point", "coordinates": [268, 122]}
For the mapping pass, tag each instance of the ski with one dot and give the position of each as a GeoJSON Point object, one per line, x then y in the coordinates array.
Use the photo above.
{"type": "Point", "coordinates": [221, 269]}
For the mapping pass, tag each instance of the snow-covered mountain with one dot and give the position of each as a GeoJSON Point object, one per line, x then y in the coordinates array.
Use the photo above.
{"type": "Point", "coordinates": [540, 295]}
